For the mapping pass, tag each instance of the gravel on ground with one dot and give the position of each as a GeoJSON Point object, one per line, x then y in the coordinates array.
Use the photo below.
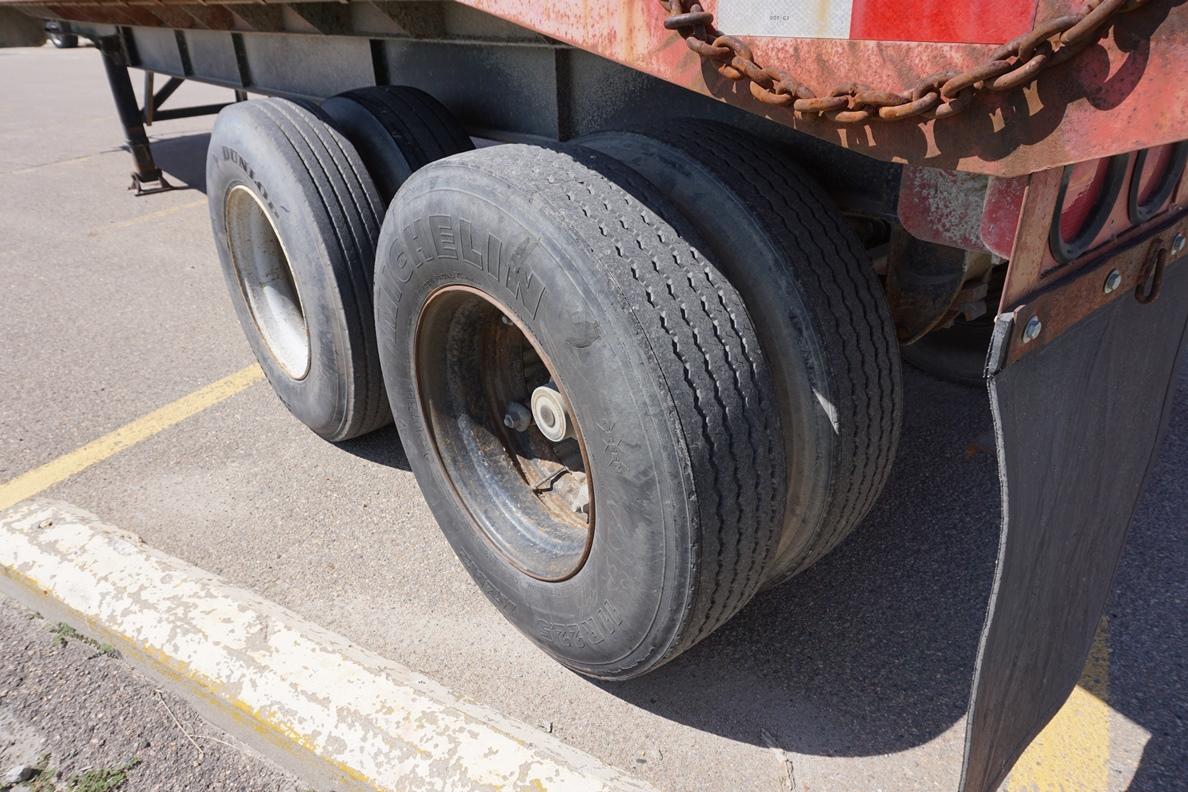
{"type": "Point", "coordinates": [75, 717]}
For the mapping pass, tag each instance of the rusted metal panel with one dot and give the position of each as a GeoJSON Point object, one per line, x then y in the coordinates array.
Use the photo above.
{"type": "Point", "coordinates": [210, 17]}
{"type": "Point", "coordinates": [1001, 212]}
{"type": "Point", "coordinates": [1122, 94]}
{"type": "Point", "coordinates": [1113, 98]}
{"type": "Point", "coordinates": [1121, 272]}
{"type": "Point", "coordinates": [1053, 296]}
{"type": "Point", "coordinates": [1033, 264]}
{"type": "Point", "coordinates": [1097, 206]}
{"type": "Point", "coordinates": [172, 16]}
{"type": "Point", "coordinates": [941, 206]}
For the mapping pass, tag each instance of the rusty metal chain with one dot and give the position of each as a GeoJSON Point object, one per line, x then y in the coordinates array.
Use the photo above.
{"type": "Point", "coordinates": [939, 95]}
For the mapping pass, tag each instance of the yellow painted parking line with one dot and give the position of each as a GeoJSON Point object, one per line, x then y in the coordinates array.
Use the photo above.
{"type": "Point", "coordinates": [1072, 753]}
{"type": "Point", "coordinates": [144, 218]}
{"type": "Point", "coordinates": [29, 484]}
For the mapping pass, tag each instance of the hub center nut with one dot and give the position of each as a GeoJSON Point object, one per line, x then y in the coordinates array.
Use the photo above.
{"type": "Point", "coordinates": [550, 412]}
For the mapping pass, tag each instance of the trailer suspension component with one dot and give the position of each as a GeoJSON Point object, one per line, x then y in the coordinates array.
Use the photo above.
{"type": "Point", "coordinates": [1013, 65]}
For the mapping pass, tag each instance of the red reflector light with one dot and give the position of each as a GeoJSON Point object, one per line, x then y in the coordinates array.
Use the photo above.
{"type": "Point", "coordinates": [1088, 194]}
{"type": "Point", "coordinates": [1086, 183]}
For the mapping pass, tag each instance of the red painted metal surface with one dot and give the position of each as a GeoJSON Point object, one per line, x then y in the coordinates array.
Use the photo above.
{"type": "Point", "coordinates": [967, 21]}
{"type": "Point", "coordinates": [1001, 214]}
{"type": "Point", "coordinates": [1158, 161]}
{"type": "Point", "coordinates": [1085, 185]}
{"type": "Point", "coordinates": [944, 207]}
{"type": "Point", "coordinates": [961, 210]}
{"type": "Point", "coordinates": [1086, 182]}
{"type": "Point", "coordinates": [1033, 267]}
{"type": "Point", "coordinates": [1123, 94]}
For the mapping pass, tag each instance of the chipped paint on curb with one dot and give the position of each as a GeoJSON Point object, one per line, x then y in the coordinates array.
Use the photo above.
{"type": "Point", "coordinates": [307, 697]}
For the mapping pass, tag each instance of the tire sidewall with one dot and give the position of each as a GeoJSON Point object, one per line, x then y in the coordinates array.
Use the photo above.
{"type": "Point", "coordinates": [631, 592]}
{"type": "Point", "coordinates": [247, 154]}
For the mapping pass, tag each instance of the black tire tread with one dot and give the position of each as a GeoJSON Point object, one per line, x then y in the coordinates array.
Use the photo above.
{"type": "Point", "coordinates": [447, 129]}
{"type": "Point", "coordinates": [423, 129]}
{"type": "Point", "coordinates": [351, 203]}
{"type": "Point", "coordinates": [702, 338]}
{"type": "Point", "coordinates": [845, 298]}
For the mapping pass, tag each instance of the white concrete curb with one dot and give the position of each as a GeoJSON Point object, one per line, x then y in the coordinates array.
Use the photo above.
{"type": "Point", "coordinates": [299, 693]}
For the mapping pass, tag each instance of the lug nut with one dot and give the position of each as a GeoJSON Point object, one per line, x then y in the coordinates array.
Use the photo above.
{"type": "Point", "coordinates": [1112, 281]}
{"type": "Point", "coordinates": [1032, 329]}
{"type": "Point", "coordinates": [517, 417]}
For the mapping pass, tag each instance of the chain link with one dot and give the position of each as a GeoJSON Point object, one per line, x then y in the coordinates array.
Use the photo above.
{"type": "Point", "coordinates": [941, 95]}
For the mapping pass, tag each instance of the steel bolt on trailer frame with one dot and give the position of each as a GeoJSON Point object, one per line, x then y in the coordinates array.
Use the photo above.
{"type": "Point", "coordinates": [973, 150]}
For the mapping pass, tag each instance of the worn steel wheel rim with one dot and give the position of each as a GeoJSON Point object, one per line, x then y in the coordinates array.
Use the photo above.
{"type": "Point", "coordinates": [266, 279]}
{"type": "Point", "coordinates": [531, 499]}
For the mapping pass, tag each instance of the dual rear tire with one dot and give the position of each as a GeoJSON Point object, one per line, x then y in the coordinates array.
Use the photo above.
{"type": "Point", "coordinates": [637, 379]}
{"type": "Point", "coordinates": [818, 310]}
{"type": "Point", "coordinates": [726, 447]}
{"type": "Point", "coordinates": [662, 373]}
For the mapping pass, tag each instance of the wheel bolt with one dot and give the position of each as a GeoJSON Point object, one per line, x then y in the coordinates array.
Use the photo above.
{"type": "Point", "coordinates": [517, 417]}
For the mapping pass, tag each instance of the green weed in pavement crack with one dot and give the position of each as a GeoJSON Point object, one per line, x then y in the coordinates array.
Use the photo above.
{"type": "Point", "coordinates": [64, 633]}
{"type": "Point", "coordinates": [103, 779]}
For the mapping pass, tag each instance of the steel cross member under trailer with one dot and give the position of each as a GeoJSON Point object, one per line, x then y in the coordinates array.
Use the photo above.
{"type": "Point", "coordinates": [644, 352]}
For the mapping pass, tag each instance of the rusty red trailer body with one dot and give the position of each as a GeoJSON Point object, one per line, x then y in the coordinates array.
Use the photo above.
{"type": "Point", "coordinates": [1120, 95]}
{"type": "Point", "coordinates": [1056, 157]}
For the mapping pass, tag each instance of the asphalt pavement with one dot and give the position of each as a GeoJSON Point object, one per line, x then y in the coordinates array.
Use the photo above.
{"type": "Point", "coordinates": [72, 711]}
{"type": "Point", "coordinates": [855, 676]}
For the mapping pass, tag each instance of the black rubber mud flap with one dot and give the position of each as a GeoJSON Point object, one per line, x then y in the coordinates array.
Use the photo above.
{"type": "Point", "coordinates": [1078, 425]}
